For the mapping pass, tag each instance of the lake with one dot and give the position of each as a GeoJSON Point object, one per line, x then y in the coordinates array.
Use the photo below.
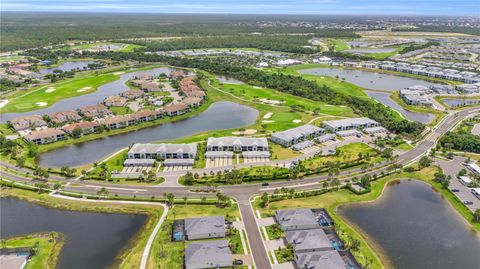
{"type": "Point", "coordinates": [228, 80]}
{"type": "Point", "coordinates": [368, 79]}
{"type": "Point", "coordinates": [93, 98]}
{"type": "Point", "coordinates": [219, 116]}
{"type": "Point", "coordinates": [461, 102]}
{"type": "Point", "coordinates": [93, 240]}
{"type": "Point", "coordinates": [416, 228]}
{"type": "Point", "coordinates": [66, 66]}
{"type": "Point", "coordinates": [385, 99]}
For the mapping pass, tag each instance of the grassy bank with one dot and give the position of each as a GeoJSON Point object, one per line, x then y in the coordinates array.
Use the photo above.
{"type": "Point", "coordinates": [131, 254]}
{"type": "Point", "coordinates": [48, 247]}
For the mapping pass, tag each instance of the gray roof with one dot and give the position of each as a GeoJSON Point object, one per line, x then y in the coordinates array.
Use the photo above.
{"type": "Point", "coordinates": [237, 141]}
{"type": "Point", "coordinates": [330, 259]}
{"type": "Point", "coordinates": [213, 154]}
{"type": "Point", "coordinates": [178, 162]}
{"type": "Point", "coordinates": [297, 132]}
{"type": "Point", "coordinates": [308, 239]}
{"type": "Point", "coordinates": [205, 225]}
{"type": "Point", "coordinates": [348, 122]}
{"type": "Point", "coordinates": [324, 138]}
{"type": "Point", "coordinates": [208, 254]}
{"type": "Point", "coordinates": [294, 217]}
{"type": "Point", "coordinates": [164, 148]}
{"type": "Point", "coordinates": [139, 162]}
{"type": "Point", "coordinates": [247, 154]}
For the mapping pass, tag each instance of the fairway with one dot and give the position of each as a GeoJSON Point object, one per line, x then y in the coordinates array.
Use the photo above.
{"type": "Point", "coordinates": [49, 94]}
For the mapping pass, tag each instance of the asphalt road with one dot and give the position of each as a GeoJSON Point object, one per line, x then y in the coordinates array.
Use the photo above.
{"type": "Point", "coordinates": [242, 193]}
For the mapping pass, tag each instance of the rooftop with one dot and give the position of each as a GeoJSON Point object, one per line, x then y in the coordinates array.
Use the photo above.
{"type": "Point", "coordinates": [303, 240]}
{"type": "Point", "coordinates": [208, 254]}
{"type": "Point", "coordinates": [205, 225]}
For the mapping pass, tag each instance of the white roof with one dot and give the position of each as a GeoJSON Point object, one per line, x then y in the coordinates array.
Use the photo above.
{"type": "Point", "coordinates": [297, 132]}
{"type": "Point", "coordinates": [231, 141]}
{"type": "Point", "coordinates": [474, 167]}
{"type": "Point", "coordinates": [466, 179]}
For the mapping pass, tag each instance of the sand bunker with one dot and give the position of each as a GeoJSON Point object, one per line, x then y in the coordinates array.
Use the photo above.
{"type": "Point", "coordinates": [268, 121]}
{"type": "Point", "coordinates": [118, 73]}
{"type": "Point", "coordinates": [84, 89]}
{"type": "Point", "coordinates": [50, 89]}
{"type": "Point", "coordinates": [297, 121]}
{"type": "Point", "coordinates": [271, 102]}
{"type": "Point", "coordinates": [3, 102]}
{"type": "Point", "coordinates": [41, 104]}
{"type": "Point", "coordinates": [268, 115]}
{"type": "Point", "coordinates": [246, 132]}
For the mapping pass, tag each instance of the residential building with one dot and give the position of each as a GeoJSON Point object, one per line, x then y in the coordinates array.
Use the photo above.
{"type": "Point", "coordinates": [296, 219]}
{"type": "Point", "coordinates": [139, 163]}
{"type": "Point", "coordinates": [95, 111]}
{"type": "Point", "coordinates": [348, 124]}
{"type": "Point", "coordinates": [416, 100]}
{"type": "Point", "coordinates": [64, 116]}
{"type": "Point", "coordinates": [163, 151]}
{"type": "Point", "coordinates": [176, 109]}
{"type": "Point", "coordinates": [87, 127]}
{"type": "Point", "coordinates": [296, 135]}
{"type": "Point", "coordinates": [309, 240]}
{"type": "Point", "coordinates": [330, 259]}
{"type": "Point", "coordinates": [176, 74]}
{"type": "Point", "coordinates": [205, 227]}
{"type": "Point", "coordinates": [150, 87]}
{"type": "Point", "coordinates": [192, 102]}
{"type": "Point", "coordinates": [237, 144]}
{"type": "Point", "coordinates": [147, 115]}
{"type": "Point", "coordinates": [115, 101]}
{"type": "Point", "coordinates": [132, 94]}
{"type": "Point", "coordinates": [45, 136]}
{"type": "Point", "coordinates": [465, 180]}
{"type": "Point", "coordinates": [208, 254]}
{"type": "Point", "coordinates": [28, 122]}
{"type": "Point", "coordinates": [144, 77]}
{"type": "Point", "coordinates": [474, 168]}
{"type": "Point", "coordinates": [116, 122]}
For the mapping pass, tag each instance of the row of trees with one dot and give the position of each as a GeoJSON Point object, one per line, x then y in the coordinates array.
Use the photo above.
{"type": "Point", "coordinates": [461, 141]}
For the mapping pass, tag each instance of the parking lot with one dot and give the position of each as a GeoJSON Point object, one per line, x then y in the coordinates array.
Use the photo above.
{"type": "Point", "coordinates": [135, 169]}
{"type": "Point", "coordinates": [311, 149]}
{"type": "Point", "coordinates": [218, 162]}
{"type": "Point", "coordinates": [177, 168]}
{"type": "Point", "coordinates": [256, 160]}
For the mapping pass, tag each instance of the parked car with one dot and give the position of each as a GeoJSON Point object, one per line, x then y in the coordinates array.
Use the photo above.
{"type": "Point", "coordinates": [455, 190]}
{"type": "Point", "coordinates": [468, 202]}
{"type": "Point", "coordinates": [265, 184]}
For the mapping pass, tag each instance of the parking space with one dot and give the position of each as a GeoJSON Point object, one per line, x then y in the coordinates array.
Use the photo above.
{"type": "Point", "coordinates": [256, 160]}
{"type": "Point", "coordinates": [218, 162]}
{"type": "Point", "coordinates": [177, 168]}
{"type": "Point", "coordinates": [311, 149]}
{"type": "Point", "coordinates": [135, 169]}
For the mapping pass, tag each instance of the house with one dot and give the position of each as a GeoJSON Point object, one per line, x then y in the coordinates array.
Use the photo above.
{"type": "Point", "coordinates": [176, 109]}
{"type": "Point", "coordinates": [150, 87]}
{"type": "Point", "coordinates": [208, 254]}
{"type": "Point", "coordinates": [324, 138]}
{"type": "Point", "coordinates": [45, 136]}
{"type": "Point", "coordinates": [465, 180]}
{"type": "Point", "coordinates": [190, 88]}
{"type": "Point", "coordinates": [296, 219]}
{"type": "Point", "coordinates": [205, 227]}
{"type": "Point", "coordinates": [295, 135]}
{"type": "Point", "coordinates": [138, 82]}
{"type": "Point", "coordinates": [65, 116]}
{"type": "Point", "coordinates": [28, 122]}
{"type": "Point", "coordinates": [348, 124]}
{"type": "Point", "coordinates": [163, 151]}
{"type": "Point", "coordinates": [374, 130]}
{"type": "Point", "coordinates": [350, 64]}
{"type": "Point", "coordinates": [139, 163]}
{"type": "Point", "coordinates": [144, 77]}
{"type": "Point", "coordinates": [115, 100]}
{"type": "Point", "coordinates": [192, 101]}
{"type": "Point", "coordinates": [176, 74]}
{"type": "Point", "coordinates": [116, 122]}
{"type": "Point", "coordinates": [330, 259]}
{"type": "Point", "coordinates": [95, 111]}
{"type": "Point", "coordinates": [132, 94]}
{"type": "Point", "coordinates": [87, 127]}
{"type": "Point", "coordinates": [415, 99]}
{"type": "Point", "coordinates": [237, 144]}
{"type": "Point", "coordinates": [309, 240]}
{"type": "Point", "coordinates": [147, 115]}
{"type": "Point", "coordinates": [474, 168]}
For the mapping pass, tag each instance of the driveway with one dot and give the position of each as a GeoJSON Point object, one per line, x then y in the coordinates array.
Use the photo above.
{"type": "Point", "coordinates": [275, 244]}
{"type": "Point", "coordinates": [286, 265]}
{"type": "Point", "coordinates": [265, 221]}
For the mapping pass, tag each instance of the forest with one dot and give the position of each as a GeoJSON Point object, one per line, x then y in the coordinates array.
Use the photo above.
{"type": "Point", "coordinates": [30, 30]}
{"type": "Point", "coordinates": [461, 141]}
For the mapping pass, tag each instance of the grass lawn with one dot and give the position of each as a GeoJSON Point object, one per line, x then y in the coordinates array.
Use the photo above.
{"type": "Point", "coordinates": [49, 94]}
{"type": "Point", "coordinates": [404, 146]}
{"type": "Point", "coordinates": [274, 232]}
{"type": "Point", "coordinates": [168, 254]}
{"type": "Point", "coordinates": [279, 152]}
{"type": "Point", "coordinates": [49, 247]}
{"type": "Point", "coordinates": [120, 110]}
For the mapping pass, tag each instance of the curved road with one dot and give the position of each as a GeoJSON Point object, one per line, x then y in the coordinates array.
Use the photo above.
{"type": "Point", "coordinates": [242, 193]}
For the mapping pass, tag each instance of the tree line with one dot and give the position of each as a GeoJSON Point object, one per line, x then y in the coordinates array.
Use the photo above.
{"type": "Point", "coordinates": [461, 141]}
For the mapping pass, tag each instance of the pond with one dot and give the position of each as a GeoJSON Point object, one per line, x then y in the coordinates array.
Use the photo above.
{"type": "Point", "coordinates": [66, 66]}
{"type": "Point", "coordinates": [219, 116]}
{"type": "Point", "coordinates": [385, 99]}
{"type": "Point", "coordinates": [368, 79]}
{"type": "Point", "coordinates": [228, 80]}
{"type": "Point", "coordinates": [93, 98]}
{"type": "Point", "coordinates": [461, 102]}
{"type": "Point", "coordinates": [93, 240]}
{"type": "Point", "coordinates": [416, 228]}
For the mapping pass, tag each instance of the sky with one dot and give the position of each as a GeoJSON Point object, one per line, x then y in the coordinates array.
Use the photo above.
{"type": "Point", "coordinates": [348, 7]}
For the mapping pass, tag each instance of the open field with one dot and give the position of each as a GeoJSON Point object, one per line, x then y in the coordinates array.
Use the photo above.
{"type": "Point", "coordinates": [49, 246]}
